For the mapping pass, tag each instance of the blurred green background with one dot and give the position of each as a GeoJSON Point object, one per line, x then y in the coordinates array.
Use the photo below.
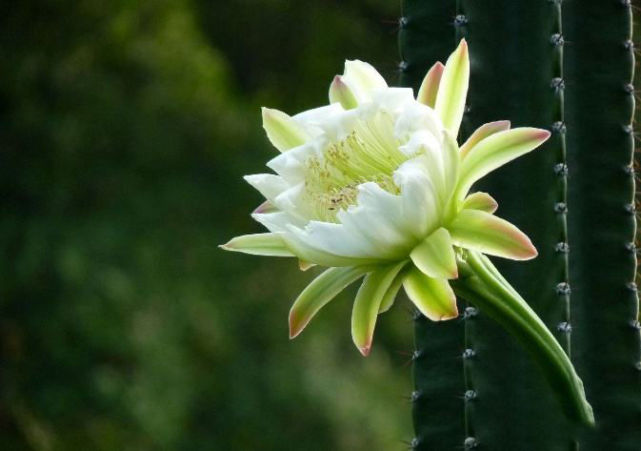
{"type": "Point", "coordinates": [125, 129]}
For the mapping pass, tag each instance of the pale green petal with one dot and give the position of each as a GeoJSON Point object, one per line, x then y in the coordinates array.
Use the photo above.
{"type": "Point", "coordinates": [392, 292]}
{"type": "Point", "coordinates": [495, 151]}
{"type": "Point", "coordinates": [434, 298]}
{"type": "Point", "coordinates": [268, 244]}
{"type": "Point", "coordinates": [435, 256]}
{"type": "Point", "coordinates": [283, 131]}
{"type": "Point", "coordinates": [317, 294]}
{"type": "Point", "coordinates": [362, 79]}
{"type": "Point", "coordinates": [339, 92]}
{"type": "Point", "coordinates": [480, 201]}
{"type": "Point", "coordinates": [368, 303]}
{"type": "Point", "coordinates": [483, 232]}
{"type": "Point", "coordinates": [429, 88]}
{"type": "Point", "coordinates": [452, 92]}
{"type": "Point", "coordinates": [451, 160]}
{"type": "Point", "coordinates": [483, 132]}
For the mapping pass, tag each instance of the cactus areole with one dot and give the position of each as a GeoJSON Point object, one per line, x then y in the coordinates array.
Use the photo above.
{"type": "Point", "coordinates": [374, 186]}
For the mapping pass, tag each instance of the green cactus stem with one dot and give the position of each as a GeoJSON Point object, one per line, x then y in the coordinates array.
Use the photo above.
{"type": "Point", "coordinates": [599, 108]}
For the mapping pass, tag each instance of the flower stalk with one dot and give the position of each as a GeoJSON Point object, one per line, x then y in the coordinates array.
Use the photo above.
{"type": "Point", "coordinates": [481, 284]}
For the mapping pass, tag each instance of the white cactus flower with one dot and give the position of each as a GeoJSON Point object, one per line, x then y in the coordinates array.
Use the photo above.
{"type": "Point", "coordinates": [375, 186]}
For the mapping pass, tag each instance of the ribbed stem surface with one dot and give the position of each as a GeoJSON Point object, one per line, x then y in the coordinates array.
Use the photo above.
{"type": "Point", "coordinates": [602, 226]}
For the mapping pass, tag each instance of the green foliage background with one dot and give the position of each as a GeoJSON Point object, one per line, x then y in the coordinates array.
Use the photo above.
{"type": "Point", "coordinates": [125, 128]}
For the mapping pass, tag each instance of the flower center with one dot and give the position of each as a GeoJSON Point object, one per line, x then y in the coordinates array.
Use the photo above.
{"type": "Point", "coordinates": [369, 153]}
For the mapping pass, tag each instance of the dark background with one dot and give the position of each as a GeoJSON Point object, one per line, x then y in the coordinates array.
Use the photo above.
{"type": "Point", "coordinates": [125, 129]}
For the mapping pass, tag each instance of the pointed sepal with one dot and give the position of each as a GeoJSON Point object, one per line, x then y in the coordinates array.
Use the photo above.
{"type": "Point", "coordinates": [429, 88]}
{"type": "Point", "coordinates": [483, 132]}
{"type": "Point", "coordinates": [282, 130]}
{"type": "Point", "coordinates": [483, 232]}
{"type": "Point", "coordinates": [434, 298]}
{"type": "Point", "coordinates": [452, 92]}
{"type": "Point", "coordinates": [435, 256]}
{"type": "Point", "coordinates": [339, 92]}
{"type": "Point", "coordinates": [495, 151]}
{"type": "Point", "coordinates": [392, 292]}
{"type": "Point", "coordinates": [318, 293]}
{"type": "Point", "coordinates": [266, 244]}
{"type": "Point", "coordinates": [368, 302]}
{"type": "Point", "coordinates": [480, 201]}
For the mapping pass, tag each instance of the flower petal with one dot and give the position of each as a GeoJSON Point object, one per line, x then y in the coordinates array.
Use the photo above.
{"type": "Point", "coordinates": [480, 201]}
{"type": "Point", "coordinates": [483, 132]}
{"type": "Point", "coordinates": [434, 298]}
{"type": "Point", "coordinates": [362, 79]}
{"type": "Point", "coordinates": [435, 256]}
{"type": "Point", "coordinates": [452, 92]}
{"type": "Point", "coordinates": [420, 197]}
{"type": "Point", "coordinates": [483, 232]}
{"type": "Point", "coordinates": [495, 151]}
{"type": "Point", "coordinates": [268, 244]}
{"type": "Point", "coordinates": [269, 185]}
{"type": "Point", "coordinates": [339, 92]}
{"type": "Point", "coordinates": [266, 207]}
{"type": "Point", "coordinates": [368, 302]}
{"type": "Point", "coordinates": [451, 161]}
{"type": "Point", "coordinates": [429, 88]}
{"type": "Point", "coordinates": [392, 292]}
{"type": "Point", "coordinates": [282, 130]}
{"type": "Point", "coordinates": [318, 293]}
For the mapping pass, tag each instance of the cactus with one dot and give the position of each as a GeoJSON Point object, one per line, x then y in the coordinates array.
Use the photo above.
{"type": "Point", "coordinates": [565, 66]}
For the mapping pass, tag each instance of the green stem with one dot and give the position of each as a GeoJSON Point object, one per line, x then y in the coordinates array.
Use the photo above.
{"type": "Point", "coordinates": [489, 291]}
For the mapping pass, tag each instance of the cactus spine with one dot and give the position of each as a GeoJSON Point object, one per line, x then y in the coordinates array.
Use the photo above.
{"type": "Point", "coordinates": [474, 386]}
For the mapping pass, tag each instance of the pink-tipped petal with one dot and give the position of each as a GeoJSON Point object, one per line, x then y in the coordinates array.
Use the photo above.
{"type": "Point", "coordinates": [480, 201]}
{"type": "Point", "coordinates": [434, 298]}
{"type": "Point", "coordinates": [265, 207]}
{"type": "Point", "coordinates": [429, 88]}
{"type": "Point", "coordinates": [339, 92]}
{"type": "Point", "coordinates": [282, 130]}
{"type": "Point", "coordinates": [368, 302]}
{"type": "Point", "coordinates": [266, 244]}
{"type": "Point", "coordinates": [495, 151]}
{"type": "Point", "coordinates": [483, 132]}
{"type": "Point", "coordinates": [483, 232]}
{"type": "Point", "coordinates": [318, 293]}
{"type": "Point", "coordinates": [452, 92]}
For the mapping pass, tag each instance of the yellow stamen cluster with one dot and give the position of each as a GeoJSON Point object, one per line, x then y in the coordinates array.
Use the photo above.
{"type": "Point", "coordinates": [368, 154]}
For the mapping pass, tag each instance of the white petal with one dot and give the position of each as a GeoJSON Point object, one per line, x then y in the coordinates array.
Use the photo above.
{"type": "Point", "coordinates": [291, 165]}
{"type": "Point", "coordinates": [420, 202]}
{"type": "Point", "coordinates": [310, 119]}
{"type": "Point", "coordinates": [269, 185]}
{"type": "Point", "coordinates": [425, 143]}
{"type": "Point", "coordinates": [393, 99]}
{"type": "Point", "coordinates": [297, 243]}
{"type": "Point", "coordinates": [414, 117]}
{"type": "Point", "coordinates": [362, 79]}
{"type": "Point", "coordinates": [276, 222]}
{"type": "Point", "coordinates": [340, 240]}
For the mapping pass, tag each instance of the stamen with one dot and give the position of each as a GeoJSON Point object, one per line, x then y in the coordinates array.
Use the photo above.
{"type": "Point", "coordinates": [368, 154]}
